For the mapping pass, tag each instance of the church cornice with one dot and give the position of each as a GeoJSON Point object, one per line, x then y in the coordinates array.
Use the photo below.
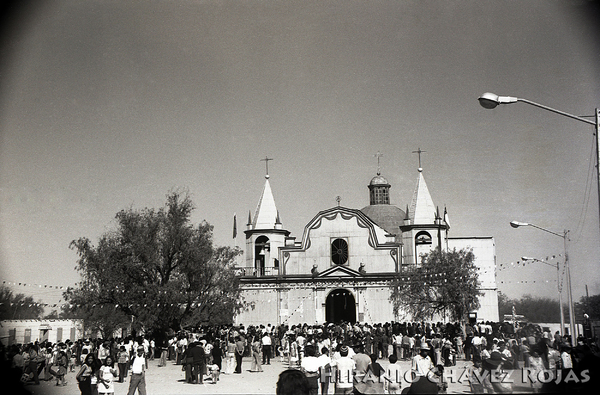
{"type": "Point", "coordinates": [251, 232]}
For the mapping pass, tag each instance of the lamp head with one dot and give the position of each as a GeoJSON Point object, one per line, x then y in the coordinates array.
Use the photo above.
{"type": "Point", "coordinates": [516, 224]}
{"type": "Point", "coordinates": [488, 100]}
{"type": "Point", "coordinates": [526, 258]}
{"type": "Point", "coordinates": [491, 100]}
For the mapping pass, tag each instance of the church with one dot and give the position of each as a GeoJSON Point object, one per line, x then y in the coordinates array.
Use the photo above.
{"type": "Point", "coordinates": [342, 266]}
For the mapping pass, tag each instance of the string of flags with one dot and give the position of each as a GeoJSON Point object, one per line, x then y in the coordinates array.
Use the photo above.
{"type": "Point", "coordinates": [46, 286]}
{"type": "Point", "coordinates": [527, 282]}
{"type": "Point", "coordinates": [511, 265]}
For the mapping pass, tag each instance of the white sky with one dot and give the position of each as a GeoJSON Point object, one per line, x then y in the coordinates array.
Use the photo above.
{"type": "Point", "coordinates": [108, 105]}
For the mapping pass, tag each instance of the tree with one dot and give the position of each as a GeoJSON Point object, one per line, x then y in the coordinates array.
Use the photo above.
{"type": "Point", "coordinates": [533, 308]}
{"type": "Point", "coordinates": [445, 284]}
{"type": "Point", "coordinates": [157, 271]}
{"type": "Point", "coordinates": [19, 306]}
{"type": "Point", "coordinates": [589, 305]}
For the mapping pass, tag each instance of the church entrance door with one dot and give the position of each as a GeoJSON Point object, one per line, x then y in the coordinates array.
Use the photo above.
{"type": "Point", "coordinates": [340, 306]}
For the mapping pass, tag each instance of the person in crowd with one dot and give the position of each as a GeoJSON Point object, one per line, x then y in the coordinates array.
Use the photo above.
{"type": "Point", "coordinates": [230, 364]}
{"type": "Point", "coordinates": [394, 373]}
{"type": "Point", "coordinates": [84, 377]}
{"type": "Point", "coordinates": [324, 370]}
{"type": "Point", "coordinates": [239, 354]}
{"type": "Point", "coordinates": [421, 367]}
{"type": "Point", "coordinates": [256, 357]}
{"type": "Point", "coordinates": [199, 362]}
{"type": "Point", "coordinates": [489, 368]}
{"type": "Point", "coordinates": [152, 348]}
{"type": "Point", "coordinates": [217, 354]}
{"type": "Point", "coordinates": [61, 363]}
{"type": "Point", "coordinates": [122, 360]}
{"type": "Point", "coordinates": [292, 382]}
{"type": "Point", "coordinates": [294, 354]}
{"type": "Point", "coordinates": [310, 367]}
{"type": "Point", "coordinates": [362, 361]}
{"type": "Point", "coordinates": [343, 372]}
{"type": "Point", "coordinates": [266, 348]}
{"type": "Point", "coordinates": [107, 376]}
{"type": "Point", "coordinates": [138, 373]}
{"type": "Point", "coordinates": [35, 361]}
{"type": "Point", "coordinates": [507, 355]}
{"type": "Point", "coordinates": [213, 372]}
{"type": "Point", "coordinates": [536, 365]}
{"type": "Point", "coordinates": [164, 353]}
{"type": "Point", "coordinates": [374, 380]}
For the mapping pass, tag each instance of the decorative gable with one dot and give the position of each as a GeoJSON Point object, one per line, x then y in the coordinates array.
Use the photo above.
{"type": "Point", "coordinates": [339, 271]}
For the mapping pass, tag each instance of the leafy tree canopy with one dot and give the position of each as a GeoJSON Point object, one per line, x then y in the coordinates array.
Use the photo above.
{"type": "Point", "coordinates": [445, 284]}
{"type": "Point", "coordinates": [157, 270]}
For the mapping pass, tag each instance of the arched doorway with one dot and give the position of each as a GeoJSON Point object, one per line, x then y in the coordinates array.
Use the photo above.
{"type": "Point", "coordinates": [340, 306]}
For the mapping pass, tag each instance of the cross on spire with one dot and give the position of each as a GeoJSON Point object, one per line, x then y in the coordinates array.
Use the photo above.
{"type": "Point", "coordinates": [266, 160]}
{"type": "Point", "coordinates": [378, 155]}
{"type": "Point", "coordinates": [419, 152]}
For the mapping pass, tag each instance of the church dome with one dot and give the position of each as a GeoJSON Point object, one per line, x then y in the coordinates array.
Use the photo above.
{"type": "Point", "coordinates": [386, 216]}
{"type": "Point", "coordinates": [379, 180]}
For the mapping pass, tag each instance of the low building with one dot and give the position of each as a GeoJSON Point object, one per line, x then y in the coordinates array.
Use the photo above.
{"type": "Point", "coordinates": [29, 331]}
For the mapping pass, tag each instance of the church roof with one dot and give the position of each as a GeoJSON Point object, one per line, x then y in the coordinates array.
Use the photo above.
{"type": "Point", "coordinates": [266, 215]}
{"type": "Point", "coordinates": [387, 216]}
{"type": "Point", "coordinates": [422, 210]}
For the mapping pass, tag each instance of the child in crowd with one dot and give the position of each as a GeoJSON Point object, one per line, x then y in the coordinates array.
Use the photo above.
{"type": "Point", "coordinates": [122, 359]}
{"type": "Point", "coordinates": [61, 369]}
{"type": "Point", "coordinates": [214, 372]}
{"type": "Point", "coordinates": [107, 376]}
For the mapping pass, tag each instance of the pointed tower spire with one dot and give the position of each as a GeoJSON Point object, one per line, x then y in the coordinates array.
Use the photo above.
{"type": "Point", "coordinates": [422, 209]}
{"type": "Point", "coordinates": [265, 215]}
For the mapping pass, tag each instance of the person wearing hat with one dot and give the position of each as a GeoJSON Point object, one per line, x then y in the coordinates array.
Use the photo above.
{"type": "Point", "coordinates": [343, 371]}
{"type": "Point", "coordinates": [421, 363]}
{"type": "Point", "coordinates": [423, 372]}
{"type": "Point", "coordinates": [138, 376]}
{"type": "Point", "coordinates": [490, 367]}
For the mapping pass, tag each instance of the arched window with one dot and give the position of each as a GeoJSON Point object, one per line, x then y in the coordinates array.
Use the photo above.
{"type": "Point", "coordinates": [422, 245]}
{"type": "Point", "coordinates": [339, 251]}
{"type": "Point", "coordinates": [261, 249]}
{"type": "Point", "coordinates": [422, 238]}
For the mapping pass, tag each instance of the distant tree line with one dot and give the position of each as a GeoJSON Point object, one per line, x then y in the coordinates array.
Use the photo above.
{"type": "Point", "coordinates": [541, 309]}
{"type": "Point", "coordinates": [18, 306]}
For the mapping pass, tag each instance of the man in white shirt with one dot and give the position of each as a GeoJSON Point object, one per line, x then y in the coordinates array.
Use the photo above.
{"type": "Point", "coordinates": [266, 348]}
{"type": "Point", "coordinates": [324, 369]}
{"type": "Point", "coordinates": [138, 376]}
{"type": "Point", "coordinates": [422, 364]}
{"type": "Point", "coordinates": [344, 368]}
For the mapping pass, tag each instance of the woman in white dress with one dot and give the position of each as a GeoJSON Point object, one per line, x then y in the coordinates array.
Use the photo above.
{"type": "Point", "coordinates": [107, 376]}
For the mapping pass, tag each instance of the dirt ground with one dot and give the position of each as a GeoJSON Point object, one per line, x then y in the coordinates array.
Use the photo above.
{"type": "Point", "coordinates": [171, 380]}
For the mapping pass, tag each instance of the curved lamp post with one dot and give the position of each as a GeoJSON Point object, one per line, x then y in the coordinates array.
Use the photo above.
{"type": "Point", "coordinates": [558, 284]}
{"type": "Point", "coordinates": [565, 237]}
{"type": "Point", "coordinates": [491, 100]}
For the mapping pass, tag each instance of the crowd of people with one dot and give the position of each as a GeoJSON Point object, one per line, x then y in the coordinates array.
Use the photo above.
{"type": "Point", "coordinates": [341, 358]}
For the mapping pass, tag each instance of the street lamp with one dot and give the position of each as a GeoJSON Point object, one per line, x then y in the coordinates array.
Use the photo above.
{"type": "Point", "coordinates": [491, 100]}
{"type": "Point", "coordinates": [565, 237]}
{"type": "Point", "coordinates": [558, 284]}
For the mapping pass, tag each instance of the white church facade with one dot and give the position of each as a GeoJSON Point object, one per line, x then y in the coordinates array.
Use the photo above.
{"type": "Point", "coordinates": [342, 267]}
